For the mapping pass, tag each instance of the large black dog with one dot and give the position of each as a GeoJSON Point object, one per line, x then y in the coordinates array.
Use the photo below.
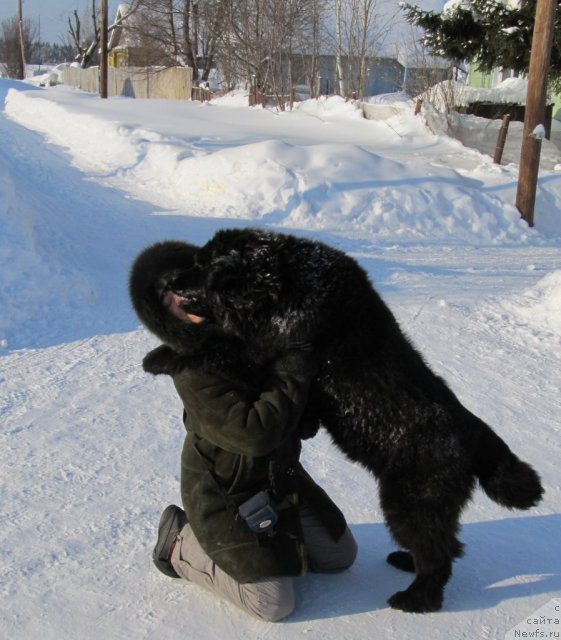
{"type": "Point", "coordinates": [381, 403]}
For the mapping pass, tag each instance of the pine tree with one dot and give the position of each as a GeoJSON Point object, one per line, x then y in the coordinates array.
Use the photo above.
{"type": "Point", "coordinates": [487, 33]}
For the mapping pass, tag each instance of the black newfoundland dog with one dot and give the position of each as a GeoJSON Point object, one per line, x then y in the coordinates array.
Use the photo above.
{"type": "Point", "coordinates": [382, 405]}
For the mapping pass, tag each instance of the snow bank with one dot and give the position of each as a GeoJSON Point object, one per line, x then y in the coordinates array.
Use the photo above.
{"type": "Point", "coordinates": [540, 305]}
{"type": "Point", "coordinates": [51, 76]}
{"type": "Point", "coordinates": [98, 146]}
{"type": "Point", "coordinates": [308, 176]}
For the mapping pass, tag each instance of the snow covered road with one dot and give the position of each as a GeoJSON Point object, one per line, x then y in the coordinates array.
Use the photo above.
{"type": "Point", "coordinates": [90, 445]}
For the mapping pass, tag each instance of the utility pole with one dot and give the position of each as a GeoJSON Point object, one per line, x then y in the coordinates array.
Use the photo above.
{"type": "Point", "coordinates": [21, 42]}
{"type": "Point", "coordinates": [103, 50]}
{"type": "Point", "coordinates": [542, 41]}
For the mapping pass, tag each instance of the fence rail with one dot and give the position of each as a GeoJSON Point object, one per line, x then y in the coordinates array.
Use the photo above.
{"type": "Point", "coordinates": [134, 82]}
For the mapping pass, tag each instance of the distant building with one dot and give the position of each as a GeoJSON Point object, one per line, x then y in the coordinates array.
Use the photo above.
{"type": "Point", "coordinates": [486, 79]}
{"type": "Point", "coordinates": [124, 47]}
{"type": "Point", "coordinates": [383, 75]}
{"type": "Point", "coordinates": [491, 79]}
{"type": "Point", "coordinates": [130, 46]}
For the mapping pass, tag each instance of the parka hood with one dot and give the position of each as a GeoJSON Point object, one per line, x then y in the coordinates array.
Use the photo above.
{"type": "Point", "coordinates": [153, 271]}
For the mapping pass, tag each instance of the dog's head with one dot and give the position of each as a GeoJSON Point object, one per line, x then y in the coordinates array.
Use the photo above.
{"type": "Point", "coordinates": [271, 289]}
{"type": "Point", "coordinates": [243, 281]}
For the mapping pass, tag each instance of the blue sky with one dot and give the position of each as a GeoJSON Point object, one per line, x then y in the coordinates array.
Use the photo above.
{"type": "Point", "coordinates": [52, 13]}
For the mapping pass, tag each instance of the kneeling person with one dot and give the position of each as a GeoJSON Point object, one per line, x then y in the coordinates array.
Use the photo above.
{"type": "Point", "coordinates": [241, 452]}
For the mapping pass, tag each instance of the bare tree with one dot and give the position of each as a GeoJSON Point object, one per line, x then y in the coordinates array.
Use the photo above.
{"type": "Point", "coordinates": [314, 26]}
{"type": "Point", "coordinates": [432, 80]}
{"type": "Point", "coordinates": [339, 47]}
{"type": "Point", "coordinates": [305, 31]}
{"type": "Point", "coordinates": [85, 35]}
{"type": "Point", "coordinates": [179, 33]}
{"type": "Point", "coordinates": [244, 40]}
{"type": "Point", "coordinates": [360, 31]}
{"type": "Point", "coordinates": [84, 32]}
{"type": "Point", "coordinates": [10, 44]}
{"type": "Point", "coordinates": [286, 24]}
{"type": "Point", "coordinates": [262, 40]}
{"type": "Point", "coordinates": [204, 22]}
{"type": "Point", "coordinates": [316, 9]}
{"type": "Point", "coordinates": [154, 33]}
{"type": "Point", "coordinates": [212, 24]}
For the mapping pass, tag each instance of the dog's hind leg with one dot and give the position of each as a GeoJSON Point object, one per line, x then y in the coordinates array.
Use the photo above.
{"type": "Point", "coordinates": [425, 593]}
{"type": "Point", "coordinates": [402, 560]}
{"type": "Point", "coordinates": [427, 530]}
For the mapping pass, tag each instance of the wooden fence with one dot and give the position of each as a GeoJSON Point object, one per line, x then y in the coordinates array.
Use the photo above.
{"type": "Point", "coordinates": [134, 82]}
{"type": "Point", "coordinates": [257, 97]}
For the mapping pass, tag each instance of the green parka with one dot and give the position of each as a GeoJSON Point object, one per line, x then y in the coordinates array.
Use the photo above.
{"type": "Point", "coordinates": [237, 446]}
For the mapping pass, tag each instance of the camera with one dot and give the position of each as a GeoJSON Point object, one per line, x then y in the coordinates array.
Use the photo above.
{"type": "Point", "coordinates": [259, 513]}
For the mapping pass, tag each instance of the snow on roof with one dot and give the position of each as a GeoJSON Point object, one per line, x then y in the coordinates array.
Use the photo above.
{"type": "Point", "coordinates": [123, 9]}
{"type": "Point", "coordinates": [511, 90]}
{"type": "Point", "coordinates": [116, 35]}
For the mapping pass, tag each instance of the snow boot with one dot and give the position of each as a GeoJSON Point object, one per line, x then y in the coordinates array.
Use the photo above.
{"type": "Point", "coordinates": [173, 519]}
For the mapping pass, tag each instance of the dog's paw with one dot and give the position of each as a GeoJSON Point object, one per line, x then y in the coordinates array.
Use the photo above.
{"type": "Point", "coordinates": [402, 560]}
{"type": "Point", "coordinates": [414, 601]}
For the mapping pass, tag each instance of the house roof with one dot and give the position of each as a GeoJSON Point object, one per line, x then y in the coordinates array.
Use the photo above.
{"type": "Point", "coordinates": [117, 37]}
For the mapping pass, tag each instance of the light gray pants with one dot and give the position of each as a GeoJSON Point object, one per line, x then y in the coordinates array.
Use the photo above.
{"type": "Point", "coordinates": [270, 600]}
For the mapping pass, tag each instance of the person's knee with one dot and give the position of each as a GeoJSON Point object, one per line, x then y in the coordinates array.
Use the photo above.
{"type": "Point", "coordinates": [276, 612]}
{"type": "Point", "coordinates": [273, 603]}
{"type": "Point", "coordinates": [341, 556]}
{"type": "Point", "coordinates": [348, 557]}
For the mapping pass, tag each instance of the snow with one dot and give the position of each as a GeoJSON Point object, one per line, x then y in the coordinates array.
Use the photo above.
{"type": "Point", "coordinates": [466, 5]}
{"type": "Point", "coordinates": [90, 444]}
{"type": "Point", "coordinates": [540, 305]}
{"type": "Point", "coordinates": [51, 76]}
{"type": "Point", "coordinates": [508, 91]}
{"type": "Point", "coordinates": [539, 132]}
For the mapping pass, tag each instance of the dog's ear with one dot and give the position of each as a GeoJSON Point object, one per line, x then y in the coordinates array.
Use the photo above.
{"type": "Point", "coordinates": [225, 274]}
{"type": "Point", "coordinates": [244, 280]}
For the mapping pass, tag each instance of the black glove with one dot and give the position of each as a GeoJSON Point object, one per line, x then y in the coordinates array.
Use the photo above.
{"type": "Point", "coordinates": [219, 354]}
{"type": "Point", "coordinates": [163, 360]}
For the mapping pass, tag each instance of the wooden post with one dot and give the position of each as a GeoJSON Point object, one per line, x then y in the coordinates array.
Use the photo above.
{"type": "Point", "coordinates": [21, 42]}
{"type": "Point", "coordinates": [501, 140]}
{"type": "Point", "coordinates": [418, 106]}
{"type": "Point", "coordinates": [542, 41]}
{"type": "Point", "coordinates": [103, 50]}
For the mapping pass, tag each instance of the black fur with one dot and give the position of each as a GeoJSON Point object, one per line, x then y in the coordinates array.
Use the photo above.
{"type": "Point", "coordinates": [381, 403]}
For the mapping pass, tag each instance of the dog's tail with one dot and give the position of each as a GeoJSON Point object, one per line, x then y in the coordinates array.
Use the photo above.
{"type": "Point", "coordinates": [505, 478]}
